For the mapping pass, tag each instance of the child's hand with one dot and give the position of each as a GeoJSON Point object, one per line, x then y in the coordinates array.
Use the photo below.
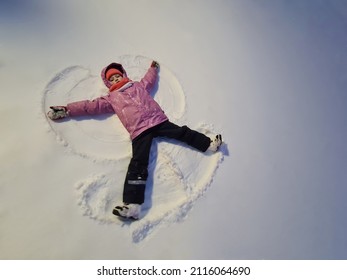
{"type": "Point", "coordinates": [155, 64]}
{"type": "Point", "coordinates": [57, 112]}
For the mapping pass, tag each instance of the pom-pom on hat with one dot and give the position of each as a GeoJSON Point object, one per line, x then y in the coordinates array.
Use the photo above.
{"type": "Point", "coordinates": [112, 71]}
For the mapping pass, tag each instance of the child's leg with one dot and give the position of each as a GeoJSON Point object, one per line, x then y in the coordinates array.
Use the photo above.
{"type": "Point", "coordinates": [135, 181]}
{"type": "Point", "coordinates": [191, 137]}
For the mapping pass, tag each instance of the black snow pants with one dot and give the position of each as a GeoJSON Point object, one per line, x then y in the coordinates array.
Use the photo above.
{"type": "Point", "coordinates": [135, 181]}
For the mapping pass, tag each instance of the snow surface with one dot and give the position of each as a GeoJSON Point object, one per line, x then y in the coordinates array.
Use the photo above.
{"type": "Point", "coordinates": [271, 76]}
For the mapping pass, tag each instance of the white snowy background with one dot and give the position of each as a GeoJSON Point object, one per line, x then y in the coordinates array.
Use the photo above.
{"type": "Point", "coordinates": [271, 76]}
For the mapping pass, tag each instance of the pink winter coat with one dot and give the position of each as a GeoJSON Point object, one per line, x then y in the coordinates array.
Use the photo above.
{"type": "Point", "coordinates": [132, 103]}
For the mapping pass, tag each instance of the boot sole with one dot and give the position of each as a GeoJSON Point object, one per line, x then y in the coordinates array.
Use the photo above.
{"type": "Point", "coordinates": [116, 213]}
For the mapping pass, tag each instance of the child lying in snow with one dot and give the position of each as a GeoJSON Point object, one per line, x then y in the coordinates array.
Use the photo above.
{"type": "Point", "coordinates": [142, 116]}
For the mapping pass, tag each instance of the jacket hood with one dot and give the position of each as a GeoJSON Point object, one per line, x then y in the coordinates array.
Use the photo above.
{"type": "Point", "coordinates": [114, 65]}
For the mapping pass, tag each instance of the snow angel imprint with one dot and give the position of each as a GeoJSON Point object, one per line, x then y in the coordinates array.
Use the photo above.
{"type": "Point", "coordinates": [144, 119]}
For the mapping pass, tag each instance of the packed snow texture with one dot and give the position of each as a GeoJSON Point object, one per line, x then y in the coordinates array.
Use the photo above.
{"type": "Point", "coordinates": [269, 75]}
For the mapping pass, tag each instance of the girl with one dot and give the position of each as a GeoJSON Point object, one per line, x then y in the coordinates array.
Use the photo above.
{"type": "Point", "coordinates": [142, 116]}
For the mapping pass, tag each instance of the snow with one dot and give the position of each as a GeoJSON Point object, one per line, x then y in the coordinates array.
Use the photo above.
{"type": "Point", "coordinates": [269, 75]}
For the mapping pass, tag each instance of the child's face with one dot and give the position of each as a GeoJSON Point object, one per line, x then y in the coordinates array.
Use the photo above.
{"type": "Point", "coordinates": [116, 78]}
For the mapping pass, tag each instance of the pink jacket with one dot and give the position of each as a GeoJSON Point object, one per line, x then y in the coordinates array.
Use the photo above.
{"type": "Point", "coordinates": [132, 103]}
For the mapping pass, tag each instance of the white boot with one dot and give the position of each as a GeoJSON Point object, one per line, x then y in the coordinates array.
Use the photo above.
{"type": "Point", "coordinates": [215, 143]}
{"type": "Point", "coordinates": [128, 211]}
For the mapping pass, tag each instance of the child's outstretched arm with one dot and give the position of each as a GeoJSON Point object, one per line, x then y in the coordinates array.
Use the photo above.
{"type": "Point", "coordinates": [81, 108]}
{"type": "Point", "coordinates": [148, 81]}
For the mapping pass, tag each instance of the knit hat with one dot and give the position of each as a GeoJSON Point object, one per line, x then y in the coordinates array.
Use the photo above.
{"type": "Point", "coordinates": [112, 71]}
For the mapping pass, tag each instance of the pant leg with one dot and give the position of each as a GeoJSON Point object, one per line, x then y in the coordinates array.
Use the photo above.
{"type": "Point", "coordinates": [184, 134]}
{"type": "Point", "coordinates": [135, 181]}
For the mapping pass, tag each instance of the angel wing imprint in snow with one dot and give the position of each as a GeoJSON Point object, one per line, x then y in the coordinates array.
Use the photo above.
{"type": "Point", "coordinates": [178, 174]}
